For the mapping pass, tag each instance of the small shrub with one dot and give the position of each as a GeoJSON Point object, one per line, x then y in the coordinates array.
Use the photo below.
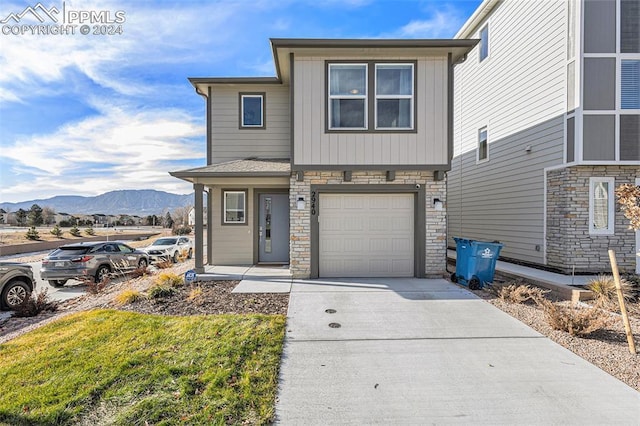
{"type": "Point", "coordinates": [90, 231]}
{"type": "Point", "coordinates": [169, 279]}
{"type": "Point", "coordinates": [127, 297]}
{"type": "Point", "coordinates": [604, 287]}
{"type": "Point", "coordinates": [195, 295]}
{"type": "Point", "coordinates": [139, 272]}
{"type": "Point", "coordinates": [520, 293]}
{"type": "Point", "coordinates": [158, 291]}
{"type": "Point", "coordinates": [94, 287]}
{"type": "Point", "coordinates": [164, 264]}
{"type": "Point", "coordinates": [56, 231]}
{"type": "Point", "coordinates": [32, 234]}
{"type": "Point", "coordinates": [579, 322]}
{"type": "Point", "coordinates": [181, 230]}
{"type": "Point", "coordinates": [74, 231]}
{"type": "Point", "coordinates": [35, 304]}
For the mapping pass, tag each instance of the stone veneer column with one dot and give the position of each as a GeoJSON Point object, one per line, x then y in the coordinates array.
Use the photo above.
{"type": "Point", "coordinates": [569, 243]}
{"type": "Point", "coordinates": [300, 228]}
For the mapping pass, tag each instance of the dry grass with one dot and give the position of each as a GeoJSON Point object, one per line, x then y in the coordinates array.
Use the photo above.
{"type": "Point", "coordinates": [127, 297]}
{"type": "Point", "coordinates": [169, 279]}
{"type": "Point", "coordinates": [604, 287]}
{"type": "Point", "coordinates": [520, 293]}
{"type": "Point", "coordinates": [195, 295]}
{"type": "Point", "coordinates": [580, 322]}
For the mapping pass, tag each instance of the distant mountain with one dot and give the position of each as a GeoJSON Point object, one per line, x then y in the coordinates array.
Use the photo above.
{"type": "Point", "coordinates": [142, 202]}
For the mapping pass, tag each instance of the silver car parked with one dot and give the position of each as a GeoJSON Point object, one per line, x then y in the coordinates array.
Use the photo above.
{"type": "Point", "coordinates": [92, 260]}
{"type": "Point", "coordinates": [16, 284]}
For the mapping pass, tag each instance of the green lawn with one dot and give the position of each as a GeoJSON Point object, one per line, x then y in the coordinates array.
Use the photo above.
{"type": "Point", "coordinates": [112, 367]}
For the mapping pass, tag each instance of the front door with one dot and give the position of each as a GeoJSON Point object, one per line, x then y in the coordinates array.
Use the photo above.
{"type": "Point", "coordinates": [638, 242]}
{"type": "Point", "coordinates": [273, 231]}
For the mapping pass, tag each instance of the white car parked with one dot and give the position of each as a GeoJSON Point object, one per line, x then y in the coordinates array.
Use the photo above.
{"type": "Point", "coordinates": [170, 248]}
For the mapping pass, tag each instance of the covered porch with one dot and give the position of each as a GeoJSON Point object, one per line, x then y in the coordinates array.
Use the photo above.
{"type": "Point", "coordinates": [247, 213]}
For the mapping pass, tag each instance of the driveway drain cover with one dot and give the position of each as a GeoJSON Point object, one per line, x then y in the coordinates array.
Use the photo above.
{"type": "Point", "coordinates": [330, 311]}
{"type": "Point", "coordinates": [334, 325]}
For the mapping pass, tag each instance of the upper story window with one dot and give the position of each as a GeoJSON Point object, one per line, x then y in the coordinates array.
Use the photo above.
{"type": "Point", "coordinates": [252, 110]}
{"type": "Point", "coordinates": [484, 43]}
{"type": "Point", "coordinates": [394, 96]}
{"type": "Point", "coordinates": [483, 146]}
{"type": "Point", "coordinates": [350, 102]}
{"type": "Point", "coordinates": [348, 96]}
{"type": "Point", "coordinates": [629, 28]}
{"type": "Point", "coordinates": [630, 84]}
{"type": "Point", "coordinates": [601, 205]}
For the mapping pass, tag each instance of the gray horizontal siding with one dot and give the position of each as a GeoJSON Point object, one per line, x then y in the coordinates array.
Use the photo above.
{"type": "Point", "coordinates": [232, 143]}
{"type": "Point", "coordinates": [503, 198]}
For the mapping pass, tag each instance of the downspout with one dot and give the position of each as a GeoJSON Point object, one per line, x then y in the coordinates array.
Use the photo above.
{"type": "Point", "coordinates": [198, 202]}
{"type": "Point", "coordinates": [460, 60]}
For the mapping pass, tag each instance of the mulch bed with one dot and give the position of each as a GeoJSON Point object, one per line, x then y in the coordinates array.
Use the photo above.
{"type": "Point", "coordinates": [215, 298]}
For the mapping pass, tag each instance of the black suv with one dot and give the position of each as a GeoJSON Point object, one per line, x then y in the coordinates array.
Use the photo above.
{"type": "Point", "coordinates": [16, 284]}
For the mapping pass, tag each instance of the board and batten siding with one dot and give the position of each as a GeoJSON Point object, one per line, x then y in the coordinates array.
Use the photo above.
{"type": "Point", "coordinates": [314, 146]}
{"type": "Point", "coordinates": [518, 93]}
{"type": "Point", "coordinates": [232, 143]}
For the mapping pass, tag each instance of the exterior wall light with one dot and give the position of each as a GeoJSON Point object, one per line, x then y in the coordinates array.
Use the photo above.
{"type": "Point", "coordinates": [300, 204]}
{"type": "Point", "coordinates": [438, 205]}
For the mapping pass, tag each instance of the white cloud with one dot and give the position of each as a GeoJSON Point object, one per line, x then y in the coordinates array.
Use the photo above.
{"type": "Point", "coordinates": [442, 23]}
{"type": "Point", "coordinates": [122, 148]}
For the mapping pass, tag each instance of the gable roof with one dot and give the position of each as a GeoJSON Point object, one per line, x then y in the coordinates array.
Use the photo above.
{"type": "Point", "coordinates": [476, 19]}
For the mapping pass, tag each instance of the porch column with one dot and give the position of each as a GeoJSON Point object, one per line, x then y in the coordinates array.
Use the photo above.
{"type": "Point", "coordinates": [210, 226]}
{"type": "Point", "coordinates": [199, 228]}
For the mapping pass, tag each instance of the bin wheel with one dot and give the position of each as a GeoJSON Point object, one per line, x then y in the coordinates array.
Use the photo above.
{"type": "Point", "coordinates": [454, 278]}
{"type": "Point", "coordinates": [474, 283]}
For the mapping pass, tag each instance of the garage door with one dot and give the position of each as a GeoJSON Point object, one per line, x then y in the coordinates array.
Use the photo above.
{"type": "Point", "coordinates": [366, 235]}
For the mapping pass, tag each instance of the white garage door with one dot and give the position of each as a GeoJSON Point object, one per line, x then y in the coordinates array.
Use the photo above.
{"type": "Point", "coordinates": [366, 235]}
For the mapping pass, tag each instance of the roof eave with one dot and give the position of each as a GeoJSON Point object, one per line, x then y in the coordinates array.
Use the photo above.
{"type": "Point", "coordinates": [476, 19]}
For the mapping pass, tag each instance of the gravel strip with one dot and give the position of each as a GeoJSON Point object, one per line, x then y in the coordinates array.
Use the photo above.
{"type": "Point", "coordinates": [606, 349]}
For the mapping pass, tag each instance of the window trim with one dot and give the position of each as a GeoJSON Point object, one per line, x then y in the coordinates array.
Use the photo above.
{"type": "Point", "coordinates": [486, 140]}
{"type": "Point", "coordinates": [244, 193]}
{"type": "Point", "coordinates": [610, 230]}
{"type": "Point", "coordinates": [263, 102]}
{"type": "Point", "coordinates": [370, 100]}
{"type": "Point", "coordinates": [484, 44]}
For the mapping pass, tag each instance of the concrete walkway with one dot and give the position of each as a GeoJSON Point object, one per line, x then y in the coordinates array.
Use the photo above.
{"type": "Point", "coordinates": [412, 351]}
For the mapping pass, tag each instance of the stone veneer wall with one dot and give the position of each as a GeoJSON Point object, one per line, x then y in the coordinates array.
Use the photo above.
{"type": "Point", "coordinates": [300, 248]}
{"type": "Point", "coordinates": [568, 240]}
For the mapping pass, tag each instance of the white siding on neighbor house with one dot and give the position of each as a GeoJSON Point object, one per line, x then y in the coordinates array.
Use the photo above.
{"type": "Point", "coordinates": [232, 143]}
{"type": "Point", "coordinates": [313, 146]}
{"type": "Point", "coordinates": [519, 94]}
{"type": "Point", "coordinates": [232, 244]}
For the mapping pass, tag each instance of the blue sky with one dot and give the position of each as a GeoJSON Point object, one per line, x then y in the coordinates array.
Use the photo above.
{"type": "Point", "coordinates": [87, 114]}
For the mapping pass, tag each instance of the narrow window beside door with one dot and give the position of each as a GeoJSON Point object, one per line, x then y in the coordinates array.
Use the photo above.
{"type": "Point", "coordinates": [601, 206]}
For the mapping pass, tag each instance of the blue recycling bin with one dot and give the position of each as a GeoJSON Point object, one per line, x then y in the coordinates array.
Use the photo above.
{"type": "Point", "coordinates": [475, 262]}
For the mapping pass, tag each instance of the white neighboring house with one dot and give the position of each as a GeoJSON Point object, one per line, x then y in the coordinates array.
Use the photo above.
{"type": "Point", "coordinates": [546, 125]}
{"type": "Point", "coordinates": [192, 217]}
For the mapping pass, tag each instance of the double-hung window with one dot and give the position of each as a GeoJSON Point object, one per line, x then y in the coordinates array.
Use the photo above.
{"type": "Point", "coordinates": [234, 207]}
{"type": "Point", "coordinates": [394, 96]}
{"type": "Point", "coordinates": [348, 96]}
{"type": "Point", "coordinates": [601, 205]}
{"type": "Point", "coordinates": [358, 90]}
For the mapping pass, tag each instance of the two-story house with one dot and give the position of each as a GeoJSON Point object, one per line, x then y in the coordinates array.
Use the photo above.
{"type": "Point", "coordinates": [336, 165]}
{"type": "Point", "coordinates": [547, 124]}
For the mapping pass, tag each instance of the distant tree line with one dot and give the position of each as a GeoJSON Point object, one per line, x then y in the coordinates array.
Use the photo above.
{"type": "Point", "coordinates": [39, 216]}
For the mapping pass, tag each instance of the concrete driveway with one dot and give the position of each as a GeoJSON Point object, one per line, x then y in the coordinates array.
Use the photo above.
{"type": "Point", "coordinates": [413, 351]}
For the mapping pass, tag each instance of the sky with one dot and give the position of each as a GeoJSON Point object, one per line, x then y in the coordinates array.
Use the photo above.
{"type": "Point", "coordinates": [84, 114]}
